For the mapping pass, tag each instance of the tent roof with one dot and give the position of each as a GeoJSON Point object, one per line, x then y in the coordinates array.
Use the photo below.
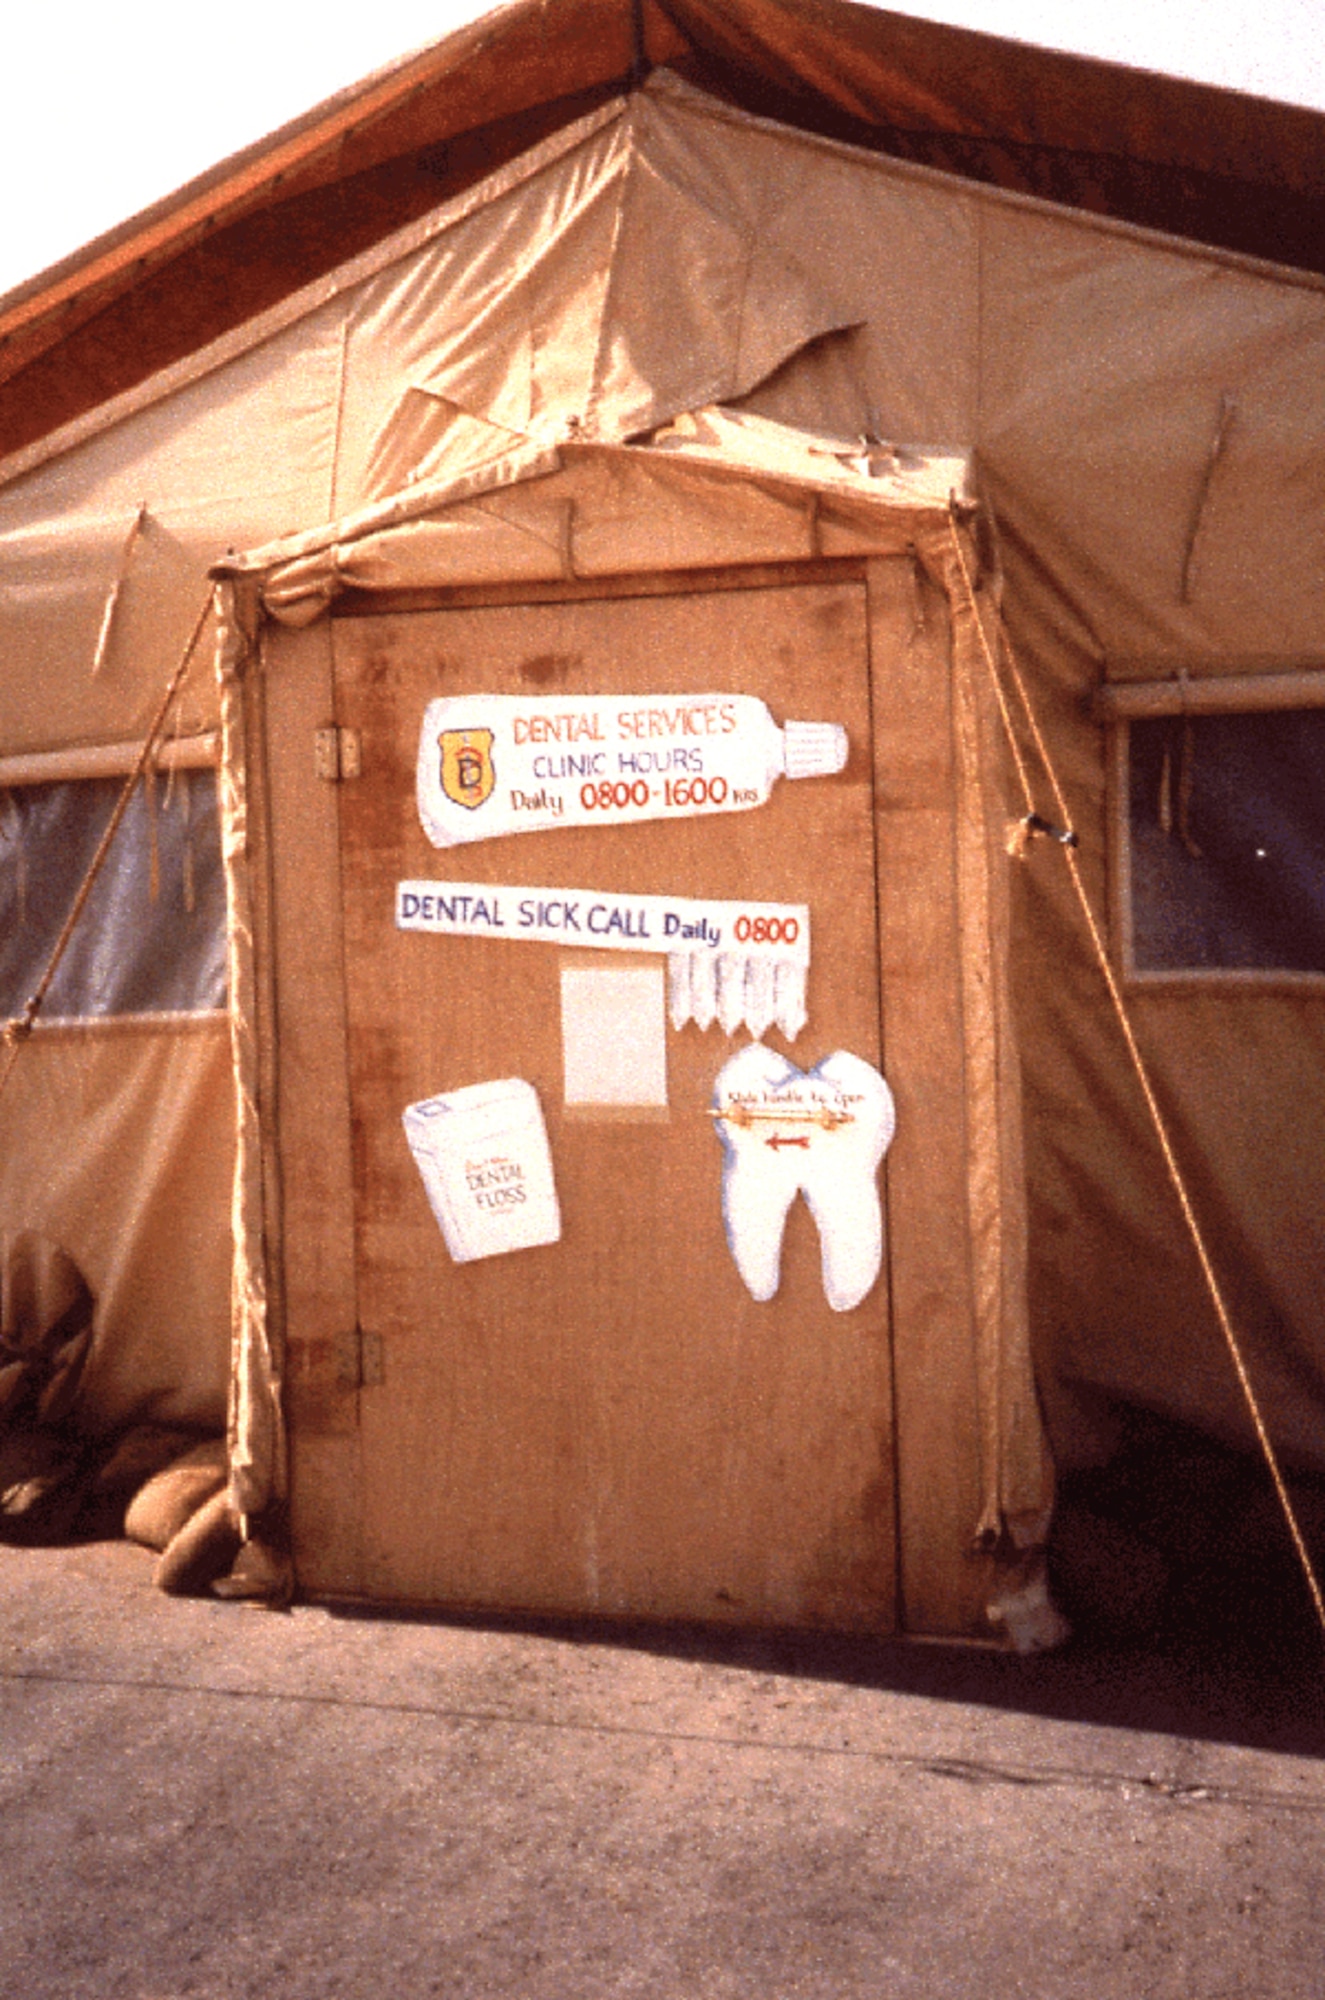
{"type": "Point", "coordinates": [1232, 171]}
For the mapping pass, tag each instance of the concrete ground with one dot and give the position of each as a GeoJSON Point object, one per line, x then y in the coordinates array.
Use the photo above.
{"type": "Point", "coordinates": [203, 1799]}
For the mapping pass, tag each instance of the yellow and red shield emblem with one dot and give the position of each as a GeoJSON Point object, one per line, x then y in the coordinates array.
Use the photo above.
{"type": "Point", "coordinates": [467, 773]}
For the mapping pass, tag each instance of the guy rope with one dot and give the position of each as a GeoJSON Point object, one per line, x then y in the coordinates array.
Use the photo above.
{"type": "Point", "coordinates": [1031, 823]}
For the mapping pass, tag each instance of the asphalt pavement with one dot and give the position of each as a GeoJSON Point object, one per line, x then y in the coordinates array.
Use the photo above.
{"type": "Point", "coordinates": [204, 1799]}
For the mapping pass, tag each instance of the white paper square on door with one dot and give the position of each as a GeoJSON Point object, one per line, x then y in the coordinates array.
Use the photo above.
{"type": "Point", "coordinates": [614, 1035]}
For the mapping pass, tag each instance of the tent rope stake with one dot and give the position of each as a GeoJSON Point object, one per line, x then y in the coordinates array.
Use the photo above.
{"type": "Point", "coordinates": [1069, 848]}
{"type": "Point", "coordinates": [16, 1032]}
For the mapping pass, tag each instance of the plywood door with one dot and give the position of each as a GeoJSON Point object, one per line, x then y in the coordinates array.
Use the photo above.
{"type": "Point", "coordinates": [611, 1424]}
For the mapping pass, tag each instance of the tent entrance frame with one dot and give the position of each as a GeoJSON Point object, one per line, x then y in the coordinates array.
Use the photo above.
{"type": "Point", "coordinates": [946, 1577]}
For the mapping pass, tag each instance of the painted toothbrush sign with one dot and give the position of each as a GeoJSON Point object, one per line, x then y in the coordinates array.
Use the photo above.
{"type": "Point", "coordinates": [496, 764]}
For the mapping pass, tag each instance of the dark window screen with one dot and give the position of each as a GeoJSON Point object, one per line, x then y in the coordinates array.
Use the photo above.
{"type": "Point", "coordinates": [152, 936]}
{"type": "Point", "coordinates": [1227, 817]}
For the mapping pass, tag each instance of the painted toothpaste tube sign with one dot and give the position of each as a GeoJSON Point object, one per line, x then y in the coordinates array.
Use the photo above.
{"type": "Point", "coordinates": [493, 764]}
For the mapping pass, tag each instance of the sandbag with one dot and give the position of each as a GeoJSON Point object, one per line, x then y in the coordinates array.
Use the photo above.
{"type": "Point", "coordinates": [165, 1504]}
{"type": "Point", "coordinates": [141, 1452]}
{"type": "Point", "coordinates": [46, 1313]}
{"type": "Point", "coordinates": [202, 1551]}
{"type": "Point", "coordinates": [43, 1482]}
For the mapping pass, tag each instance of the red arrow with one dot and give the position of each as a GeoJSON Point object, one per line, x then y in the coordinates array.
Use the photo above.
{"type": "Point", "coordinates": [778, 1141]}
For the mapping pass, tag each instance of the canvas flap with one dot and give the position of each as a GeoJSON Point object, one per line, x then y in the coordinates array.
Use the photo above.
{"type": "Point", "coordinates": [715, 487]}
{"type": "Point", "coordinates": [118, 1148]}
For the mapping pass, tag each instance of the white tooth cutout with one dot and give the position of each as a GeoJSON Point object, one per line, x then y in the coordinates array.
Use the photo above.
{"type": "Point", "coordinates": [703, 989]}
{"type": "Point", "coordinates": [731, 991]}
{"type": "Point", "coordinates": [821, 1133]}
{"type": "Point", "coordinates": [789, 998]}
{"type": "Point", "coordinates": [760, 975]}
{"type": "Point", "coordinates": [679, 1004]}
{"type": "Point", "coordinates": [736, 989]}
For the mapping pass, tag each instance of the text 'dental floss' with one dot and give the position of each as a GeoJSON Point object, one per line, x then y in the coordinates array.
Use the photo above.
{"type": "Point", "coordinates": [734, 963]}
{"type": "Point", "coordinates": [487, 1167]}
{"type": "Point", "coordinates": [492, 764]}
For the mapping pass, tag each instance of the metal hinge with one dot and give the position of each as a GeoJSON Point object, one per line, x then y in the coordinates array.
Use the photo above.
{"type": "Point", "coordinates": [336, 753]}
{"type": "Point", "coordinates": [359, 1360]}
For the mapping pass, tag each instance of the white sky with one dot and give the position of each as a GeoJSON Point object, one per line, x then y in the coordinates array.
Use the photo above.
{"type": "Point", "coordinates": [110, 104]}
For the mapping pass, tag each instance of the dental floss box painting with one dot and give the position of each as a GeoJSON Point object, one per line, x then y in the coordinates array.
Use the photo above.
{"type": "Point", "coordinates": [487, 1167]}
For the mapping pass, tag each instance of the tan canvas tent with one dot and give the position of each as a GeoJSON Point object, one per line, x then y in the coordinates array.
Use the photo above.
{"type": "Point", "coordinates": [678, 392]}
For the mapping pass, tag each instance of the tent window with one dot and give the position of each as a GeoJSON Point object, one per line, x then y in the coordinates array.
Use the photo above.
{"type": "Point", "coordinates": [152, 937]}
{"type": "Point", "coordinates": [1225, 816]}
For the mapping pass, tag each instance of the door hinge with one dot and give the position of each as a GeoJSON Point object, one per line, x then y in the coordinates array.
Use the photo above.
{"type": "Point", "coordinates": [359, 1360]}
{"type": "Point", "coordinates": [336, 753]}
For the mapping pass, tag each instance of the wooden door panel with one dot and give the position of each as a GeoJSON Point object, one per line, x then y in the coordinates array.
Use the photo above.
{"type": "Point", "coordinates": [610, 1424]}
